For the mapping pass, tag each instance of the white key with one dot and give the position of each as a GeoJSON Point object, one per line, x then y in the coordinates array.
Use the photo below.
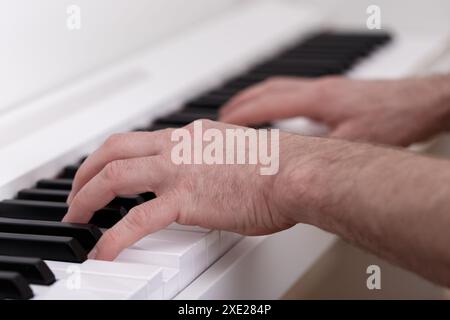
{"type": "Point", "coordinates": [228, 240]}
{"type": "Point", "coordinates": [171, 281]}
{"type": "Point", "coordinates": [108, 276]}
{"type": "Point", "coordinates": [181, 227]}
{"type": "Point", "coordinates": [151, 274]}
{"type": "Point", "coordinates": [59, 291]}
{"type": "Point", "coordinates": [189, 256]}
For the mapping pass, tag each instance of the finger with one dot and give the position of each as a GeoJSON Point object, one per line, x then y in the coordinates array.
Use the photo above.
{"type": "Point", "coordinates": [142, 220]}
{"type": "Point", "coordinates": [272, 107]}
{"type": "Point", "coordinates": [273, 84]}
{"type": "Point", "coordinates": [120, 177]}
{"type": "Point", "coordinates": [245, 95]}
{"type": "Point", "coordinates": [119, 146]}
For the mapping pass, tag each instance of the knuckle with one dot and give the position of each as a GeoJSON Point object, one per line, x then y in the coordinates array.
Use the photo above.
{"type": "Point", "coordinates": [114, 140]}
{"type": "Point", "coordinates": [111, 237]}
{"type": "Point", "coordinates": [137, 218]}
{"type": "Point", "coordinates": [207, 122]}
{"type": "Point", "coordinates": [325, 86]}
{"type": "Point", "coordinates": [113, 170]}
{"type": "Point", "coordinates": [328, 82]}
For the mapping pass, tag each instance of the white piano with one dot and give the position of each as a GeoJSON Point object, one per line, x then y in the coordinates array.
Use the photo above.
{"type": "Point", "coordinates": [64, 91]}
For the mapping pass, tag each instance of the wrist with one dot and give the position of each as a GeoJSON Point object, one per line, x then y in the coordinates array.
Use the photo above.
{"type": "Point", "coordinates": [324, 179]}
{"type": "Point", "coordinates": [440, 100]}
{"type": "Point", "coordinates": [312, 179]}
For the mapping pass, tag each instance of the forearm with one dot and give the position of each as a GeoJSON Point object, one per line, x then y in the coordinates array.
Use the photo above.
{"type": "Point", "coordinates": [395, 204]}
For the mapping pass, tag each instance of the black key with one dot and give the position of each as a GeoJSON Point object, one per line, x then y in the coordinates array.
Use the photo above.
{"type": "Point", "coordinates": [14, 286]}
{"type": "Point", "coordinates": [148, 196]}
{"type": "Point", "coordinates": [34, 270]}
{"type": "Point", "coordinates": [318, 62]}
{"type": "Point", "coordinates": [56, 184]}
{"type": "Point", "coordinates": [205, 104]}
{"type": "Point", "coordinates": [69, 172]}
{"type": "Point", "coordinates": [45, 247]}
{"type": "Point", "coordinates": [55, 211]}
{"type": "Point", "coordinates": [278, 68]}
{"type": "Point", "coordinates": [184, 118]}
{"type": "Point", "coordinates": [200, 113]}
{"type": "Point", "coordinates": [210, 100]}
{"type": "Point", "coordinates": [86, 234]}
{"type": "Point", "coordinates": [141, 129]}
{"type": "Point", "coordinates": [43, 195]}
{"type": "Point", "coordinates": [225, 91]}
{"type": "Point", "coordinates": [162, 126]}
{"type": "Point", "coordinates": [300, 73]}
{"type": "Point", "coordinates": [82, 160]}
{"type": "Point", "coordinates": [240, 84]}
{"type": "Point", "coordinates": [127, 202]}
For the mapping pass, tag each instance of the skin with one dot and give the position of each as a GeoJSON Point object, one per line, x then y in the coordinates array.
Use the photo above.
{"type": "Point", "coordinates": [388, 201]}
{"type": "Point", "coordinates": [397, 112]}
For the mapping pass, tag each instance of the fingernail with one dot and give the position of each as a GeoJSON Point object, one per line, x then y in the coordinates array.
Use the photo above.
{"type": "Point", "coordinates": [93, 253]}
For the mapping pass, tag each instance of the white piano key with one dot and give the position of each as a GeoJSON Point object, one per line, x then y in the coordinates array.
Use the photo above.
{"type": "Point", "coordinates": [181, 227]}
{"type": "Point", "coordinates": [187, 259]}
{"type": "Point", "coordinates": [213, 251]}
{"type": "Point", "coordinates": [228, 240]}
{"type": "Point", "coordinates": [151, 274]}
{"type": "Point", "coordinates": [59, 291]}
{"type": "Point", "coordinates": [114, 277]}
{"type": "Point", "coordinates": [171, 281]}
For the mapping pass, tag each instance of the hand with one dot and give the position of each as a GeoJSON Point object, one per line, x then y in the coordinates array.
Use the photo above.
{"type": "Point", "coordinates": [227, 197]}
{"type": "Point", "coordinates": [397, 112]}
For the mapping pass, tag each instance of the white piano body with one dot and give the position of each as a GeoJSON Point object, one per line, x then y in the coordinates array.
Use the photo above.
{"type": "Point", "coordinates": [43, 132]}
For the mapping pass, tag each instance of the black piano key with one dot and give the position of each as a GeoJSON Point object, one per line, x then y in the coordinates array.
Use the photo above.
{"type": "Point", "coordinates": [310, 62]}
{"type": "Point", "coordinates": [184, 118]}
{"type": "Point", "coordinates": [162, 126]}
{"type": "Point", "coordinates": [45, 247]}
{"type": "Point", "coordinates": [148, 196]}
{"type": "Point", "coordinates": [300, 69]}
{"type": "Point", "coordinates": [34, 270]}
{"type": "Point", "coordinates": [141, 129]}
{"type": "Point", "coordinates": [211, 99]}
{"type": "Point", "coordinates": [56, 184]}
{"type": "Point", "coordinates": [86, 234]}
{"type": "Point", "coordinates": [199, 113]}
{"type": "Point", "coordinates": [69, 172]}
{"type": "Point", "coordinates": [205, 104]}
{"type": "Point", "coordinates": [240, 84]}
{"type": "Point", "coordinates": [43, 195]}
{"type": "Point", "coordinates": [300, 73]}
{"type": "Point", "coordinates": [225, 91]}
{"type": "Point", "coordinates": [82, 159]}
{"type": "Point", "coordinates": [14, 286]}
{"type": "Point", "coordinates": [55, 211]}
{"type": "Point", "coordinates": [127, 202]}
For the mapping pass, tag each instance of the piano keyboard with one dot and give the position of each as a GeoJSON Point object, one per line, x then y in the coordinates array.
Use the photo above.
{"type": "Point", "coordinates": [42, 258]}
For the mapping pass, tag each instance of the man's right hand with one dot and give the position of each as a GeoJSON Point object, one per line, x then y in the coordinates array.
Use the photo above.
{"type": "Point", "coordinates": [397, 112]}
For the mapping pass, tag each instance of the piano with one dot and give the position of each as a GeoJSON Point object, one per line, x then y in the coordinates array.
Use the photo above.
{"type": "Point", "coordinates": [171, 83]}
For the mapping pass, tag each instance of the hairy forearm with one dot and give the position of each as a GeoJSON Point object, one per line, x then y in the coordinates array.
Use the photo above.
{"type": "Point", "coordinates": [393, 203]}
